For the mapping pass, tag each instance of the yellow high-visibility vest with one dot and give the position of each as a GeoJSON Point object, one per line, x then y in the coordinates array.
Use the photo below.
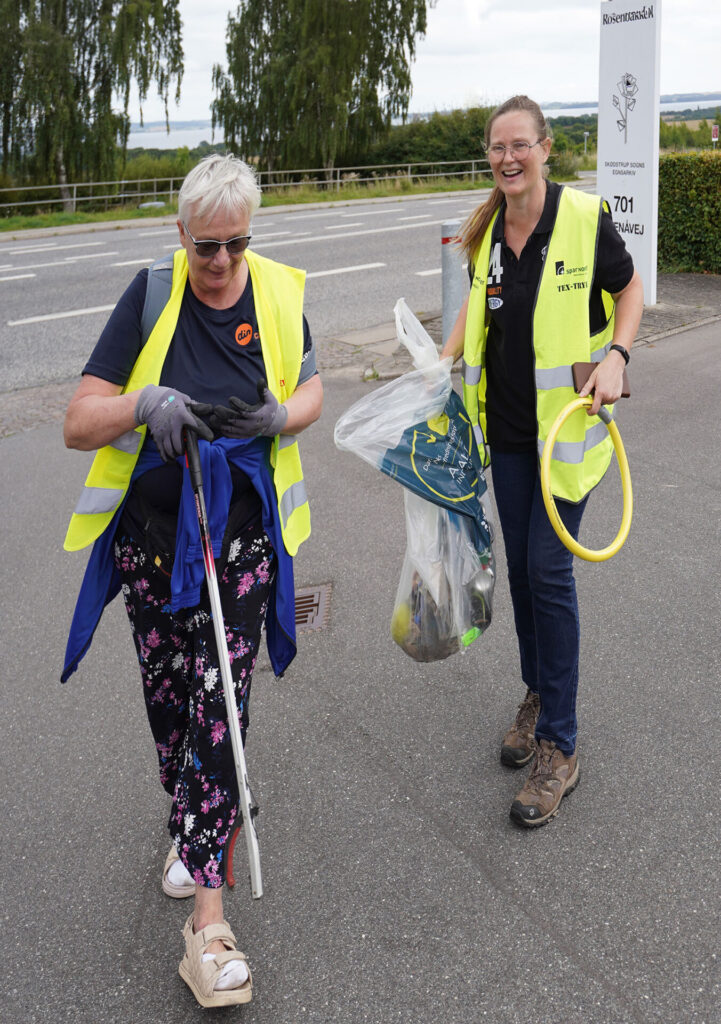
{"type": "Point", "coordinates": [561, 336]}
{"type": "Point", "coordinates": [278, 296]}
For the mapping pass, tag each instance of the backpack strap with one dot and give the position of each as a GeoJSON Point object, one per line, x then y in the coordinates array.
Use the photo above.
{"type": "Point", "coordinates": [157, 294]}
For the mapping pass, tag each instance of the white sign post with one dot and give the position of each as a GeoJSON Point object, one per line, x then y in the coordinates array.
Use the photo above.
{"type": "Point", "coordinates": [628, 123]}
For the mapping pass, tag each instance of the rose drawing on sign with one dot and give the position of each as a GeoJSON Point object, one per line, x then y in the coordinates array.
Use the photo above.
{"type": "Point", "coordinates": [625, 101]}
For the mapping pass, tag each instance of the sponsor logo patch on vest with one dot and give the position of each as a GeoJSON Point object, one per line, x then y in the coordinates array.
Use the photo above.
{"type": "Point", "coordinates": [495, 303]}
{"type": "Point", "coordinates": [560, 268]}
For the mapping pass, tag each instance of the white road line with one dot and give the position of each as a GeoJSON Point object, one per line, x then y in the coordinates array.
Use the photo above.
{"type": "Point", "coordinates": [132, 263]}
{"type": "Point", "coordinates": [68, 261]}
{"type": "Point", "coordinates": [369, 213]}
{"type": "Point", "coordinates": [345, 270]}
{"type": "Point", "coordinates": [29, 250]}
{"type": "Point", "coordinates": [60, 316]}
{"type": "Point", "coordinates": [152, 234]}
{"type": "Point", "coordinates": [438, 270]}
{"type": "Point", "coordinates": [418, 216]}
{"type": "Point", "coordinates": [54, 246]}
{"type": "Point", "coordinates": [272, 234]}
{"type": "Point", "coordinates": [336, 227]}
{"type": "Point", "coordinates": [352, 234]}
{"type": "Point", "coordinates": [16, 277]}
{"type": "Point", "coordinates": [91, 256]}
{"type": "Point", "coordinates": [319, 213]}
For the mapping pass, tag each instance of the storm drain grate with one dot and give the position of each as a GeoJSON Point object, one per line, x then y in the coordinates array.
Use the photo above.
{"type": "Point", "coordinates": [312, 605]}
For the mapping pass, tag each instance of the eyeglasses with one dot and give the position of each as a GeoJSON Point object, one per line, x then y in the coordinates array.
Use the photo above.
{"type": "Point", "coordinates": [207, 247]}
{"type": "Point", "coordinates": [519, 150]}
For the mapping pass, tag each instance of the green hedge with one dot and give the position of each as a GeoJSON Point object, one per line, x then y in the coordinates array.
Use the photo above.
{"type": "Point", "coordinates": [689, 212]}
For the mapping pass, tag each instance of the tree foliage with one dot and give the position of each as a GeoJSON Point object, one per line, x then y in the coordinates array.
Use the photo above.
{"type": "Point", "coordinates": [452, 135]}
{"type": "Point", "coordinates": [308, 80]}
{"type": "Point", "coordinates": [70, 63]}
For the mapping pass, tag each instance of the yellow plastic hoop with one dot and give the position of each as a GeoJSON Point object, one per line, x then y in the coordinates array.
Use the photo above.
{"type": "Point", "coordinates": [577, 549]}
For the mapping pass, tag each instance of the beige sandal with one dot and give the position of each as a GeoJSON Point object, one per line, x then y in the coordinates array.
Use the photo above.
{"type": "Point", "coordinates": [178, 892]}
{"type": "Point", "coordinates": [201, 976]}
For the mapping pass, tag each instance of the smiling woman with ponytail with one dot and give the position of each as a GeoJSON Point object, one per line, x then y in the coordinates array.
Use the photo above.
{"type": "Point", "coordinates": [551, 284]}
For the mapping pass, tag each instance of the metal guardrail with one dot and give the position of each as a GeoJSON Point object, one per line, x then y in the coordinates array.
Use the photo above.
{"type": "Point", "coordinates": [411, 171]}
{"type": "Point", "coordinates": [100, 192]}
{"type": "Point", "coordinates": [105, 193]}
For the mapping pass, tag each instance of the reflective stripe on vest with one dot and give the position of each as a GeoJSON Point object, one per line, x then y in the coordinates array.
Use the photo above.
{"type": "Point", "coordinates": [278, 295]}
{"type": "Point", "coordinates": [471, 375]}
{"type": "Point", "coordinates": [560, 338]}
{"type": "Point", "coordinates": [95, 500]}
{"type": "Point", "coordinates": [575, 451]}
{"type": "Point", "coordinates": [130, 442]}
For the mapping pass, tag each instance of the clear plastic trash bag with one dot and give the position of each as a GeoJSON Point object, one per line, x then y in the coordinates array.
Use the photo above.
{"type": "Point", "coordinates": [445, 593]}
{"type": "Point", "coordinates": [377, 422]}
{"type": "Point", "coordinates": [416, 430]}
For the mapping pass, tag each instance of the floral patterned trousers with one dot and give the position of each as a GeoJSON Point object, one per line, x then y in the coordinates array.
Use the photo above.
{"type": "Point", "coordinates": [183, 688]}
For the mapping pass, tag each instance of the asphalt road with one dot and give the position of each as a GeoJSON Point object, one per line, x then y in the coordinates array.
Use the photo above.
{"type": "Point", "coordinates": [396, 888]}
{"type": "Point", "coordinates": [57, 292]}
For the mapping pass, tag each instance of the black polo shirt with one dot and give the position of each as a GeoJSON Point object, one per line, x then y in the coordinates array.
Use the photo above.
{"type": "Point", "coordinates": [510, 298]}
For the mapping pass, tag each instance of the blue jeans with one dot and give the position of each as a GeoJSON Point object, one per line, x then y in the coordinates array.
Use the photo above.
{"type": "Point", "coordinates": [543, 592]}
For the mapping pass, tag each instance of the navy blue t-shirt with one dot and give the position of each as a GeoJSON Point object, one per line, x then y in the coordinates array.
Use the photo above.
{"type": "Point", "coordinates": [214, 354]}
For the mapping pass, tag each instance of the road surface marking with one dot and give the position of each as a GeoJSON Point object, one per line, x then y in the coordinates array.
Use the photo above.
{"type": "Point", "coordinates": [60, 316]}
{"type": "Point", "coordinates": [345, 270]}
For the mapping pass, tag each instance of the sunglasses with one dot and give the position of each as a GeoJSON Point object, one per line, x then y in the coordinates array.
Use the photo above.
{"type": "Point", "coordinates": [207, 247]}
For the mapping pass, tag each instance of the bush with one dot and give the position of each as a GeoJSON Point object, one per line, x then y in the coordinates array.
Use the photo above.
{"type": "Point", "coordinates": [689, 212]}
{"type": "Point", "coordinates": [563, 166]}
{"type": "Point", "coordinates": [455, 135]}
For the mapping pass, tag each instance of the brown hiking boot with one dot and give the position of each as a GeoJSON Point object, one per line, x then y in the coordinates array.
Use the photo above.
{"type": "Point", "coordinates": [552, 777]}
{"type": "Point", "coordinates": [519, 746]}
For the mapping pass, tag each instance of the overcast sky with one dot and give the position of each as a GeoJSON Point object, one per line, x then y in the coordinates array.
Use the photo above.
{"type": "Point", "coordinates": [486, 50]}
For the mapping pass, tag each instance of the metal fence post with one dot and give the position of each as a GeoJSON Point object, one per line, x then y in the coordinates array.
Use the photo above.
{"type": "Point", "coordinates": [453, 285]}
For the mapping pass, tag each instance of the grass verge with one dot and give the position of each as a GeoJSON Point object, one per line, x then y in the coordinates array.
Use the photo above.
{"type": "Point", "coordinates": [298, 194]}
{"type": "Point", "coordinates": [278, 197]}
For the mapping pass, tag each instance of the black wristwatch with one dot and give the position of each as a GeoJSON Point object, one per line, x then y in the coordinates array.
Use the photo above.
{"type": "Point", "coordinates": [619, 348]}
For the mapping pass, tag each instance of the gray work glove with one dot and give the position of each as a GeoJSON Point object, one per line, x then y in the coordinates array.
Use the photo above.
{"type": "Point", "coordinates": [167, 412]}
{"type": "Point", "coordinates": [266, 419]}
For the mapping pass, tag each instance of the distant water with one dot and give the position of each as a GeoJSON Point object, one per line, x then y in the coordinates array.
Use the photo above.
{"type": "Point", "coordinates": [191, 137]}
{"type": "Point", "coordinates": [174, 139]}
{"type": "Point", "coordinates": [665, 107]}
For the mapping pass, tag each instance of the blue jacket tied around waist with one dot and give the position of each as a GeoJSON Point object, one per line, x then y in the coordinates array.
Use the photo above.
{"type": "Point", "coordinates": [101, 582]}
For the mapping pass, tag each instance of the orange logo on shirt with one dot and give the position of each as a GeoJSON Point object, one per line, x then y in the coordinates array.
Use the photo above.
{"type": "Point", "coordinates": [243, 334]}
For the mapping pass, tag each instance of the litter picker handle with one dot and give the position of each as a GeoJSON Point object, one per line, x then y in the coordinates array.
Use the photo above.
{"type": "Point", "coordinates": [193, 459]}
{"type": "Point", "coordinates": [246, 797]}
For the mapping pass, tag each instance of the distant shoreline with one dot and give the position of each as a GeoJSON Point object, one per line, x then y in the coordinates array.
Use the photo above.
{"type": "Point", "coordinates": [697, 98]}
{"type": "Point", "coordinates": [675, 97]}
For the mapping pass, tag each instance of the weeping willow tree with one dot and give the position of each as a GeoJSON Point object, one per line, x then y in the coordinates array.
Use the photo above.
{"type": "Point", "coordinates": [74, 63]}
{"type": "Point", "coordinates": [309, 79]}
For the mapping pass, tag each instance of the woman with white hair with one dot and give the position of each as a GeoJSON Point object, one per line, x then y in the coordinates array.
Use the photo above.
{"type": "Point", "coordinates": [214, 340]}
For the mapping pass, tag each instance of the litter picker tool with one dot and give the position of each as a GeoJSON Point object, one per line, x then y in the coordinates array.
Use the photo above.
{"type": "Point", "coordinates": [247, 805]}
